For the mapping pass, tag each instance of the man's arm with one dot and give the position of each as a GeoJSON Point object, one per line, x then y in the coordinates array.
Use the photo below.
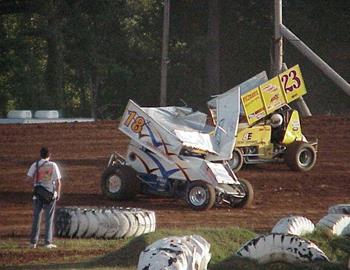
{"type": "Point", "coordinates": [58, 188]}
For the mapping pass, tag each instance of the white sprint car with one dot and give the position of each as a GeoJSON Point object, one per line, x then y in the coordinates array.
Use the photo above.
{"type": "Point", "coordinates": [173, 151]}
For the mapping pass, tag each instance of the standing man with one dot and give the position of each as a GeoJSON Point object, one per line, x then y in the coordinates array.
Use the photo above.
{"type": "Point", "coordinates": [46, 176]}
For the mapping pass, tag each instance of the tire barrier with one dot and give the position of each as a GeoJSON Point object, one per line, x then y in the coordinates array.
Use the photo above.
{"type": "Point", "coordinates": [335, 224]}
{"type": "Point", "coordinates": [176, 253]}
{"type": "Point", "coordinates": [339, 209]}
{"type": "Point", "coordinates": [276, 247]}
{"type": "Point", "coordinates": [295, 225]}
{"type": "Point", "coordinates": [107, 223]}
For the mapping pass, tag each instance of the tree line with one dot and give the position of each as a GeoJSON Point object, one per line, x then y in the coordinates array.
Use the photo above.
{"type": "Point", "coordinates": [88, 57]}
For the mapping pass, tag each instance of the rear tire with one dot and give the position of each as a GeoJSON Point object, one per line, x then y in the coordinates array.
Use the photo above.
{"type": "Point", "coordinates": [200, 195]}
{"type": "Point", "coordinates": [120, 183]}
{"type": "Point", "coordinates": [300, 156]}
{"type": "Point", "coordinates": [236, 162]}
{"type": "Point", "coordinates": [248, 198]}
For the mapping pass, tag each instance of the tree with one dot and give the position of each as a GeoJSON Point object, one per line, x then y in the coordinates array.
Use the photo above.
{"type": "Point", "coordinates": [213, 47]}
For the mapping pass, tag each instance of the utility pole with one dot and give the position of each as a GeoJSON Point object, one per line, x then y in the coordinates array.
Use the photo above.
{"type": "Point", "coordinates": [280, 32]}
{"type": "Point", "coordinates": [165, 59]}
{"type": "Point", "coordinates": [278, 65]}
{"type": "Point", "coordinates": [277, 39]}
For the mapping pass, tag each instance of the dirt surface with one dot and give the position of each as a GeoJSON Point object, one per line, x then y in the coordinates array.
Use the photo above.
{"type": "Point", "coordinates": [82, 151]}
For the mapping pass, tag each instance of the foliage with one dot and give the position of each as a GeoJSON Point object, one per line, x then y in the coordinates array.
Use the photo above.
{"type": "Point", "coordinates": [88, 57]}
{"type": "Point", "coordinates": [124, 253]}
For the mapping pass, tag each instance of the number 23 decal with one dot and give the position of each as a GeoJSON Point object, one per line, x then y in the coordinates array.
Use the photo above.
{"type": "Point", "coordinates": [137, 122]}
{"type": "Point", "coordinates": [295, 84]}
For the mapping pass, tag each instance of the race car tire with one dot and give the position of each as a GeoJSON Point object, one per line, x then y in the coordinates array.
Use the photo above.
{"type": "Point", "coordinates": [176, 252]}
{"type": "Point", "coordinates": [300, 156]}
{"type": "Point", "coordinates": [248, 198]}
{"type": "Point", "coordinates": [200, 195]}
{"type": "Point", "coordinates": [277, 247]}
{"type": "Point", "coordinates": [295, 225]}
{"type": "Point", "coordinates": [335, 224]}
{"type": "Point", "coordinates": [237, 160]}
{"type": "Point", "coordinates": [107, 223]}
{"type": "Point", "coordinates": [120, 183]}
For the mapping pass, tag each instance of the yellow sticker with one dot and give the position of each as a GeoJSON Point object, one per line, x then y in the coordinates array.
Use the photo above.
{"type": "Point", "coordinates": [292, 83]}
{"type": "Point", "coordinates": [272, 94]}
{"type": "Point", "coordinates": [253, 106]}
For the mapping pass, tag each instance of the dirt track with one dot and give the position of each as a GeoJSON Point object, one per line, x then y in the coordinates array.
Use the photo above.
{"type": "Point", "coordinates": [82, 151]}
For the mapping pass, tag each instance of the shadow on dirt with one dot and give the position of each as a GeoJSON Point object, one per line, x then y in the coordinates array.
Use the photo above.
{"type": "Point", "coordinates": [92, 200]}
{"type": "Point", "coordinates": [127, 258]}
{"type": "Point", "coordinates": [124, 257]}
{"type": "Point", "coordinates": [15, 197]}
{"type": "Point", "coordinates": [236, 263]}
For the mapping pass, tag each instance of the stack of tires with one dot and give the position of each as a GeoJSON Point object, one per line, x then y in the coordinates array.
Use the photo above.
{"type": "Point", "coordinates": [107, 223]}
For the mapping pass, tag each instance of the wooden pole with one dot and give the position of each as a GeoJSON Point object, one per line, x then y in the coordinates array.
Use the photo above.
{"type": "Point", "coordinates": [165, 59]}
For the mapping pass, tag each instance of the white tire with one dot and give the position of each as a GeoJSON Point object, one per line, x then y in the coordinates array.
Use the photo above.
{"type": "Point", "coordinates": [148, 222]}
{"type": "Point", "coordinates": [141, 220]}
{"type": "Point", "coordinates": [62, 221]}
{"type": "Point", "coordinates": [295, 225]}
{"type": "Point", "coordinates": [74, 225]}
{"type": "Point", "coordinates": [335, 224]}
{"type": "Point", "coordinates": [339, 209]}
{"type": "Point", "coordinates": [152, 216]}
{"type": "Point", "coordinates": [103, 225]}
{"type": "Point", "coordinates": [133, 223]}
{"type": "Point", "coordinates": [281, 247]}
{"type": "Point", "coordinates": [176, 253]}
{"type": "Point", "coordinates": [93, 221]}
{"type": "Point", "coordinates": [23, 114]}
{"type": "Point", "coordinates": [83, 224]}
{"type": "Point", "coordinates": [123, 223]}
{"type": "Point", "coordinates": [46, 114]}
{"type": "Point", "coordinates": [114, 225]}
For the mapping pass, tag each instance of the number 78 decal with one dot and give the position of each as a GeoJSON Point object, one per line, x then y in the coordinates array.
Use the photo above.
{"type": "Point", "coordinates": [135, 122]}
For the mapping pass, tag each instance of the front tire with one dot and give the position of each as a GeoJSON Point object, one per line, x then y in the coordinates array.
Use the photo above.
{"type": "Point", "coordinates": [300, 156]}
{"type": "Point", "coordinates": [247, 200]}
{"type": "Point", "coordinates": [200, 195]}
{"type": "Point", "coordinates": [236, 162]}
{"type": "Point", "coordinates": [120, 183]}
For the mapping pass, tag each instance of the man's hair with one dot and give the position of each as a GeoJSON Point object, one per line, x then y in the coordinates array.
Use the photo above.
{"type": "Point", "coordinates": [44, 152]}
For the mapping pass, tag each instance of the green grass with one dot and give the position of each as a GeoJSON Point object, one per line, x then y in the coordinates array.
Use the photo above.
{"type": "Point", "coordinates": [123, 254]}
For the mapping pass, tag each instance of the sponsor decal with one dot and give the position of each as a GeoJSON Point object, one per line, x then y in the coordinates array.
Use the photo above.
{"type": "Point", "coordinates": [248, 136]}
{"type": "Point", "coordinates": [295, 125]}
{"type": "Point", "coordinates": [258, 114]}
{"type": "Point", "coordinates": [250, 96]}
{"type": "Point", "coordinates": [270, 88]}
{"type": "Point", "coordinates": [275, 97]}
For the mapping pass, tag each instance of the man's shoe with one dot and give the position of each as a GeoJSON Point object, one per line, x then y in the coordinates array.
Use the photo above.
{"type": "Point", "coordinates": [32, 245]}
{"type": "Point", "coordinates": [49, 246]}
